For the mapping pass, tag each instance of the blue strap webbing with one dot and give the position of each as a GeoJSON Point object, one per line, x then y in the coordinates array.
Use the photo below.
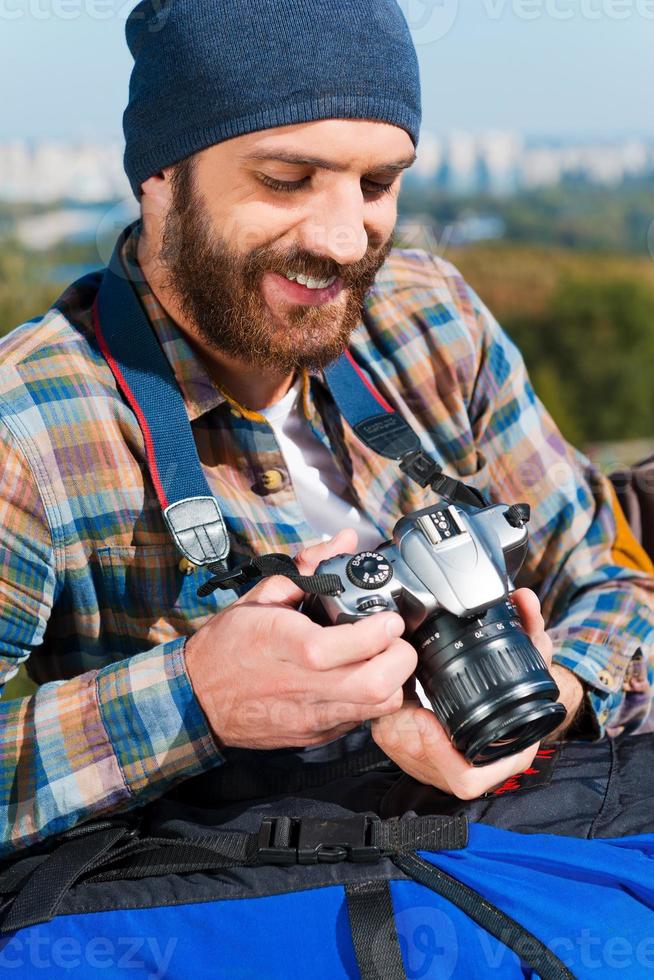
{"type": "Point", "coordinates": [147, 382]}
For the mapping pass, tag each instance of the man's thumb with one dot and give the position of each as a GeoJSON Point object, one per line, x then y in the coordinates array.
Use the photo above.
{"type": "Point", "coordinates": [343, 543]}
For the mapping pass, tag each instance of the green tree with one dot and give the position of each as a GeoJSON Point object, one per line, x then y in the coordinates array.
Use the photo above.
{"type": "Point", "coordinates": [591, 355]}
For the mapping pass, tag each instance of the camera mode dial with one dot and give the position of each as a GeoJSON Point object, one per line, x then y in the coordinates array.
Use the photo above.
{"type": "Point", "coordinates": [369, 570]}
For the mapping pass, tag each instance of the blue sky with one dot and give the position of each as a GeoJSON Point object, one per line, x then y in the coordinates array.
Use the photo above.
{"type": "Point", "coordinates": [542, 67]}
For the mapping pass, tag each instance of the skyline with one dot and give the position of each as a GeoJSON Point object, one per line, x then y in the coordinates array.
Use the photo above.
{"type": "Point", "coordinates": [499, 163]}
{"type": "Point", "coordinates": [488, 64]}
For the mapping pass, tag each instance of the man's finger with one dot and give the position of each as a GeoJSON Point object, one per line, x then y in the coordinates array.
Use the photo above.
{"type": "Point", "coordinates": [528, 606]}
{"type": "Point", "coordinates": [372, 681]}
{"type": "Point", "coordinates": [328, 647]}
{"type": "Point", "coordinates": [343, 543]}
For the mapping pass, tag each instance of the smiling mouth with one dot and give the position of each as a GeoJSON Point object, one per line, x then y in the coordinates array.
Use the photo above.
{"type": "Point", "coordinates": [279, 288]}
{"type": "Point", "coordinates": [311, 282]}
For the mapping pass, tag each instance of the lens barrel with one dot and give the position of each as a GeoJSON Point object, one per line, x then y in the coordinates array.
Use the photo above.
{"type": "Point", "coordinates": [487, 683]}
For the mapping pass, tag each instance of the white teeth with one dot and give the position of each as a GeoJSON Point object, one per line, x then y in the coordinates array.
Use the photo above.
{"type": "Point", "coordinates": [312, 283]}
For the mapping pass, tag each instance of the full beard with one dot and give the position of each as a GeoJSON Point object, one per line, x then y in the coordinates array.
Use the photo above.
{"type": "Point", "coordinates": [219, 292]}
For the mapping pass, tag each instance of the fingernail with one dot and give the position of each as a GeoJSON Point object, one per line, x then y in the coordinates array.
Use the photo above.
{"type": "Point", "coordinates": [394, 626]}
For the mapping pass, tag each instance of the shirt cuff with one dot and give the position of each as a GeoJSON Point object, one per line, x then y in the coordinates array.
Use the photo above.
{"type": "Point", "coordinates": [601, 668]}
{"type": "Point", "coordinates": [153, 720]}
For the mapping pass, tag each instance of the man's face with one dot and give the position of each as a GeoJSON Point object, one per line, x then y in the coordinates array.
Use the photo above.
{"type": "Point", "coordinates": [243, 218]}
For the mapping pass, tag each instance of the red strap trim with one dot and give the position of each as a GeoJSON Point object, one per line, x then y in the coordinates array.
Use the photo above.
{"type": "Point", "coordinates": [134, 405]}
{"type": "Point", "coordinates": [378, 398]}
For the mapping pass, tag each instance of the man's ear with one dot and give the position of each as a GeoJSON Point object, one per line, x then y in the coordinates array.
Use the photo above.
{"type": "Point", "coordinates": [156, 193]}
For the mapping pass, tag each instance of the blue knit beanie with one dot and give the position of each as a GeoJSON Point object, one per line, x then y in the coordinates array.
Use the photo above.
{"type": "Point", "coordinates": [208, 70]}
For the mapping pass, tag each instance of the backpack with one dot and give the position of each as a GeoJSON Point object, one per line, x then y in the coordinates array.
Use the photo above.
{"type": "Point", "coordinates": [634, 487]}
{"type": "Point", "coordinates": [296, 886]}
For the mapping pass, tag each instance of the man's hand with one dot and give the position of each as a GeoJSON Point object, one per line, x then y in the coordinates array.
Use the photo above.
{"type": "Point", "coordinates": [267, 677]}
{"type": "Point", "coordinates": [416, 741]}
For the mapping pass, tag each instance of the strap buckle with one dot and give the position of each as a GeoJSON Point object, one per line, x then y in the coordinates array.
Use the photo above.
{"type": "Point", "coordinates": [198, 529]}
{"type": "Point", "coordinates": [421, 468]}
{"type": "Point", "coordinates": [317, 840]}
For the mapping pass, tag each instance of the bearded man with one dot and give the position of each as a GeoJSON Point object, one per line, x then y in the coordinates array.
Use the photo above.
{"type": "Point", "coordinates": [265, 142]}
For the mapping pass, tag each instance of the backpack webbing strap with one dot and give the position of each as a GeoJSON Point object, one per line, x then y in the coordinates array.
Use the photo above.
{"type": "Point", "coordinates": [374, 936]}
{"type": "Point", "coordinates": [284, 840]}
{"type": "Point", "coordinates": [528, 947]}
{"type": "Point", "coordinates": [105, 855]}
{"type": "Point", "coordinates": [43, 892]}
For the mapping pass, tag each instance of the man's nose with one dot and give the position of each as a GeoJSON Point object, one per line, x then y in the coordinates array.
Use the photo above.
{"type": "Point", "coordinates": [337, 229]}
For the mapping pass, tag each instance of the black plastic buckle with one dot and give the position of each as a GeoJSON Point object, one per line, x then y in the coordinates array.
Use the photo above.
{"type": "Point", "coordinates": [421, 468]}
{"type": "Point", "coordinates": [228, 579]}
{"type": "Point", "coordinates": [316, 840]}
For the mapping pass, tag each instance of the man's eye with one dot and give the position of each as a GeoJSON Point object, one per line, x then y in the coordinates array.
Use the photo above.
{"type": "Point", "coordinates": [370, 186]}
{"type": "Point", "coordinates": [282, 185]}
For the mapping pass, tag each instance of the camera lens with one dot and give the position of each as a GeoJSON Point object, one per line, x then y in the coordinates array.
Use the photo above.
{"type": "Point", "coordinates": [487, 683]}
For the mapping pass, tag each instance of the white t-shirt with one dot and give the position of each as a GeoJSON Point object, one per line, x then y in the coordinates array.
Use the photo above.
{"type": "Point", "coordinates": [319, 485]}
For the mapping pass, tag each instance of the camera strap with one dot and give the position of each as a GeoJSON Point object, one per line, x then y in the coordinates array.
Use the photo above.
{"type": "Point", "coordinates": [386, 432]}
{"type": "Point", "coordinates": [190, 510]}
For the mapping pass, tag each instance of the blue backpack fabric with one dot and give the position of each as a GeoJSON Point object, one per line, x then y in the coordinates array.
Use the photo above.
{"type": "Point", "coordinates": [590, 902]}
{"type": "Point", "coordinates": [177, 890]}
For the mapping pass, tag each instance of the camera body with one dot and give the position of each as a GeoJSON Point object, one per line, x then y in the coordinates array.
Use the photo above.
{"type": "Point", "coordinates": [439, 558]}
{"type": "Point", "coordinates": [449, 573]}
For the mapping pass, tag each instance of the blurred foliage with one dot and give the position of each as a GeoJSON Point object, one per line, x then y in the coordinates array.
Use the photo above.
{"type": "Point", "coordinates": [24, 291]}
{"type": "Point", "coordinates": [585, 325]}
{"type": "Point", "coordinates": [573, 214]}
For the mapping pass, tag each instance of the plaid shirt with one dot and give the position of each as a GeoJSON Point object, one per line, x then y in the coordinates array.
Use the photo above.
{"type": "Point", "coordinates": [92, 596]}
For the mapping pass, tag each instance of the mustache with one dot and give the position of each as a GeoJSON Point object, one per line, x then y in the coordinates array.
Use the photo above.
{"type": "Point", "coordinates": [315, 268]}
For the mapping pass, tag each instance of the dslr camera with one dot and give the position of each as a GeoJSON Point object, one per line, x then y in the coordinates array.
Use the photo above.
{"type": "Point", "coordinates": [449, 574]}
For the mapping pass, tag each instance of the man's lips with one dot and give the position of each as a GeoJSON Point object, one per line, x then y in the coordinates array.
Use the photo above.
{"type": "Point", "coordinates": [278, 289]}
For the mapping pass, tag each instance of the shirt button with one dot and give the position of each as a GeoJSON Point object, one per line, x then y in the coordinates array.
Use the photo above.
{"type": "Point", "coordinates": [273, 480]}
{"type": "Point", "coordinates": [604, 677]}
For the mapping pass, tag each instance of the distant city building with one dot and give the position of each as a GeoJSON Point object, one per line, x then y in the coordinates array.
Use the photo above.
{"type": "Point", "coordinates": [501, 162]}
{"type": "Point", "coordinates": [497, 162]}
{"type": "Point", "coordinates": [52, 171]}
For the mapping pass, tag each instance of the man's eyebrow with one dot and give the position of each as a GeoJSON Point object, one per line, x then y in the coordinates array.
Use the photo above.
{"type": "Point", "coordinates": [299, 158]}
